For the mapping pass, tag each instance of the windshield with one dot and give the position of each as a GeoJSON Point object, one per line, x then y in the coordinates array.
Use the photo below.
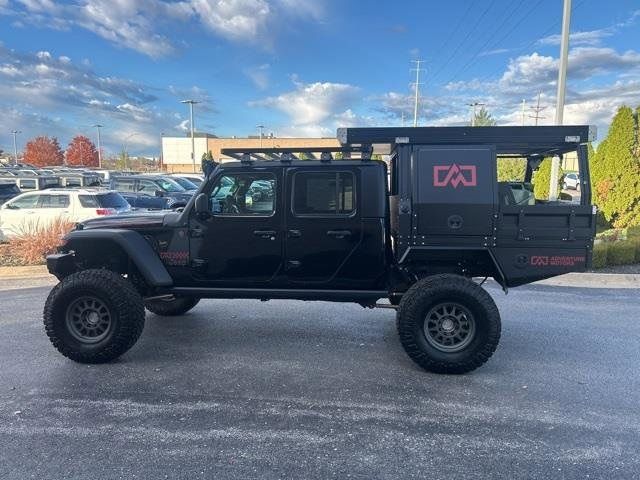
{"type": "Point", "coordinates": [8, 188]}
{"type": "Point", "coordinates": [168, 185]}
{"type": "Point", "coordinates": [184, 183]}
{"type": "Point", "coordinates": [104, 200]}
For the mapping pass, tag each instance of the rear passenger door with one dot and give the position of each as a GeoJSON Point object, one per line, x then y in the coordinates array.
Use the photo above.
{"type": "Point", "coordinates": [323, 225]}
{"type": "Point", "coordinates": [52, 207]}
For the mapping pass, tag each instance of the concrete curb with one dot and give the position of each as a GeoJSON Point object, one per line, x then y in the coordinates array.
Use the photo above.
{"type": "Point", "coordinates": [594, 280]}
{"type": "Point", "coordinates": [584, 280]}
{"type": "Point", "coordinates": [30, 271]}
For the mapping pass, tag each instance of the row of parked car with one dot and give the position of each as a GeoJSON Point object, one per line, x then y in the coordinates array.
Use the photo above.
{"type": "Point", "coordinates": [31, 197]}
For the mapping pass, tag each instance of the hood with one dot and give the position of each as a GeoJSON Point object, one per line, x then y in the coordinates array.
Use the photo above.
{"type": "Point", "coordinates": [134, 220]}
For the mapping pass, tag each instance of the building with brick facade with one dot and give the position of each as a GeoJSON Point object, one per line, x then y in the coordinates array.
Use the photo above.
{"type": "Point", "coordinates": [176, 151]}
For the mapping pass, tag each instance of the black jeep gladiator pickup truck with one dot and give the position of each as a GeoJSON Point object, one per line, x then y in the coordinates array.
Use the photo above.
{"type": "Point", "coordinates": [419, 232]}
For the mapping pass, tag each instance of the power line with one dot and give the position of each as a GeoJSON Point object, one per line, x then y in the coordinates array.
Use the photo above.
{"type": "Point", "coordinates": [469, 33]}
{"type": "Point", "coordinates": [504, 37]}
{"type": "Point", "coordinates": [454, 31]}
{"type": "Point", "coordinates": [536, 40]}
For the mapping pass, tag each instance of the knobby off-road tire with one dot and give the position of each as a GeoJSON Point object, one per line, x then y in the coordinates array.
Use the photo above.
{"type": "Point", "coordinates": [94, 316]}
{"type": "Point", "coordinates": [173, 307]}
{"type": "Point", "coordinates": [448, 324]}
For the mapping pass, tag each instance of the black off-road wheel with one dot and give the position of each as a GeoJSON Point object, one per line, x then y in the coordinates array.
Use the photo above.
{"type": "Point", "coordinates": [171, 307]}
{"type": "Point", "coordinates": [448, 324]}
{"type": "Point", "coordinates": [94, 316]}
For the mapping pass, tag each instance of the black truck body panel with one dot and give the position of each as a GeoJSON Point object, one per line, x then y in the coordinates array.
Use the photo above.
{"type": "Point", "coordinates": [442, 211]}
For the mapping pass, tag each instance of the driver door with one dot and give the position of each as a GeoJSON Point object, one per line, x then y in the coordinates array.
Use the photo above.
{"type": "Point", "coordinates": [240, 243]}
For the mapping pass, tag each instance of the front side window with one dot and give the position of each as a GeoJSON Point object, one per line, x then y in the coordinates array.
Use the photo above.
{"type": "Point", "coordinates": [148, 187]}
{"type": "Point", "coordinates": [323, 193]}
{"type": "Point", "coordinates": [244, 194]}
{"type": "Point", "coordinates": [28, 201]}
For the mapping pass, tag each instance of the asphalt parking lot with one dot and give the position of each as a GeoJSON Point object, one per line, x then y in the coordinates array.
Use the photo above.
{"type": "Point", "coordinates": [244, 389]}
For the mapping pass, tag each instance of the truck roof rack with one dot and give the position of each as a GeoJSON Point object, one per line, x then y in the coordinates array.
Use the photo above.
{"type": "Point", "coordinates": [517, 141]}
{"type": "Point", "coordinates": [287, 155]}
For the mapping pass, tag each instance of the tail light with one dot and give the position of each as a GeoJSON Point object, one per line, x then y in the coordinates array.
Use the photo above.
{"type": "Point", "coordinates": [105, 211]}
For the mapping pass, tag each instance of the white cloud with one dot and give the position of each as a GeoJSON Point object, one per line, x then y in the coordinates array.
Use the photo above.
{"type": "Point", "coordinates": [313, 107]}
{"type": "Point", "coordinates": [259, 75]}
{"type": "Point", "coordinates": [590, 38]}
{"type": "Point", "coordinates": [145, 25]}
{"type": "Point", "coordinates": [40, 82]}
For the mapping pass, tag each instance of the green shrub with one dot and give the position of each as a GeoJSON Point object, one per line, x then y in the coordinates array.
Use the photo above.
{"type": "Point", "coordinates": [636, 242]}
{"type": "Point", "coordinates": [542, 178]}
{"type": "Point", "coordinates": [511, 169]}
{"type": "Point", "coordinates": [633, 231]}
{"type": "Point", "coordinates": [621, 253]}
{"type": "Point", "coordinates": [600, 255]}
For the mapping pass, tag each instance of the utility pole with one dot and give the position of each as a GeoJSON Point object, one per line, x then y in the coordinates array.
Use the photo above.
{"type": "Point", "coordinates": [473, 111]}
{"type": "Point", "coordinates": [15, 146]}
{"type": "Point", "coordinates": [537, 109]}
{"type": "Point", "coordinates": [562, 82]}
{"type": "Point", "coordinates": [261, 127]}
{"type": "Point", "coordinates": [524, 105]}
{"type": "Point", "coordinates": [193, 142]}
{"type": "Point", "coordinates": [98, 127]}
{"type": "Point", "coordinates": [402, 117]}
{"type": "Point", "coordinates": [417, 92]}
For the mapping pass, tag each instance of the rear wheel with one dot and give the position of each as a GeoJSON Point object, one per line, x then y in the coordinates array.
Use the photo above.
{"type": "Point", "coordinates": [93, 316]}
{"type": "Point", "coordinates": [171, 307]}
{"type": "Point", "coordinates": [448, 324]}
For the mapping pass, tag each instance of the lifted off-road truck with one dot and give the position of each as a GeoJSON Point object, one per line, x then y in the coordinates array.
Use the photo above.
{"type": "Point", "coordinates": [305, 225]}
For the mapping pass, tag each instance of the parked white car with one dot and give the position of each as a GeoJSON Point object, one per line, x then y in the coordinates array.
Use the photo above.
{"type": "Point", "coordinates": [38, 209]}
{"type": "Point", "coordinates": [571, 180]}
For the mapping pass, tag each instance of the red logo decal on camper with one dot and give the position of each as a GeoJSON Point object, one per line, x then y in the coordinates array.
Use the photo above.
{"type": "Point", "coordinates": [454, 175]}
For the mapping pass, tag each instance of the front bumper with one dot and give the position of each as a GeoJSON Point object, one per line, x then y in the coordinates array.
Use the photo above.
{"type": "Point", "coordinates": [61, 264]}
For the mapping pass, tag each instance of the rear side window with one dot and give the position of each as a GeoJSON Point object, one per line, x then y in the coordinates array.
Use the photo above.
{"type": "Point", "coordinates": [124, 185]}
{"type": "Point", "coordinates": [53, 201]}
{"type": "Point", "coordinates": [323, 193]}
{"type": "Point", "coordinates": [28, 184]}
{"type": "Point", "coordinates": [104, 200]}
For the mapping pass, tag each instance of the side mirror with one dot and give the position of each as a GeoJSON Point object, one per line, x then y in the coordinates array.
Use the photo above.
{"type": "Point", "coordinates": [202, 205]}
{"type": "Point", "coordinates": [159, 193]}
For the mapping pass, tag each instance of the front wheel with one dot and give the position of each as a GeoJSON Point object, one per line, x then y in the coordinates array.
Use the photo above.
{"type": "Point", "coordinates": [448, 324]}
{"type": "Point", "coordinates": [171, 307]}
{"type": "Point", "coordinates": [93, 316]}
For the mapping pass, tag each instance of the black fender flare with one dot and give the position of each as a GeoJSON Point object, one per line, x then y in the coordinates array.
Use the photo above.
{"type": "Point", "coordinates": [133, 245]}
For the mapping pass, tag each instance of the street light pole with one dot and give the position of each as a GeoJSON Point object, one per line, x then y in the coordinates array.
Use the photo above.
{"type": "Point", "coordinates": [193, 142]}
{"type": "Point", "coordinates": [15, 146]}
{"type": "Point", "coordinates": [98, 127]}
{"type": "Point", "coordinates": [261, 127]}
{"type": "Point", "coordinates": [125, 149]}
{"type": "Point", "coordinates": [560, 97]}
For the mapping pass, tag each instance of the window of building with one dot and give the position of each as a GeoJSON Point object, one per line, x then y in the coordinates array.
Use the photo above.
{"type": "Point", "coordinates": [323, 193]}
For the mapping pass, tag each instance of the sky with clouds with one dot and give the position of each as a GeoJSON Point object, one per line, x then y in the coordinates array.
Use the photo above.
{"type": "Point", "coordinates": [301, 67]}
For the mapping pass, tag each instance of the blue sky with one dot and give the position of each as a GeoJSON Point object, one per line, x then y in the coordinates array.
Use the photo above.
{"type": "Point", "coordinates": [301, 67]}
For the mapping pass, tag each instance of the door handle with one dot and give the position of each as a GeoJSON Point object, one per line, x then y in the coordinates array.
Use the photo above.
{"type": "Point", "coordinates": [339, 233]}
{"type": "Point", "coordinates": [294, 234]}
{"type": "Point", "coordinates": [268, 234]}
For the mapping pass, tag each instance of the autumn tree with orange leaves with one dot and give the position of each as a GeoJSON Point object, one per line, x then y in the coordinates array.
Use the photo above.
{"type": "Point", "coordinates": [43, 152]}
{"type": "Point", "coordinates": [82, 152]}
